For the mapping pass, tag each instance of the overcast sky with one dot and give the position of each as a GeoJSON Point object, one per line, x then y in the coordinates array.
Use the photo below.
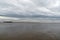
{"type": "Point", "coordinates": [30, 7]}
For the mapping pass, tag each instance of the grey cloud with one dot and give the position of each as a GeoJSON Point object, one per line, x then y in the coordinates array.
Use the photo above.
{"type": "Point", "coordinates": [32, 7]}
{"type": "Point", "coordinates": [41, 2]}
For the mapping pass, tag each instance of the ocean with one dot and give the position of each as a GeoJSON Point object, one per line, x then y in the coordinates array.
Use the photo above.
{"type": "Point", "coordinates": [29, 31]}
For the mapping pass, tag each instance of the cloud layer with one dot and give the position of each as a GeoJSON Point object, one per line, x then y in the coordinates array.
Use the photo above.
{"type": "Point", "coordinates": [30, 7]}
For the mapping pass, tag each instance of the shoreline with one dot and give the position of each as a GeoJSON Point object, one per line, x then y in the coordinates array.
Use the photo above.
{"type": "Point", "coordinates": [21, 21]}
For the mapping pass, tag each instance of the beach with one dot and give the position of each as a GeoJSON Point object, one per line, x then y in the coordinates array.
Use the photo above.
{"type": "Point", "coordinates": [29, 31]}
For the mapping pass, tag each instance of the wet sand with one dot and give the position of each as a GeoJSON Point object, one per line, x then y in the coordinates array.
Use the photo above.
{"type": "Point", "coordinates": [29, 31]}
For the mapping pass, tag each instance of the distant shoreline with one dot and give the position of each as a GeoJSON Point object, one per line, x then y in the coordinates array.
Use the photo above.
{"type": "Point", "coordinates": [29, 22]}
{"type": "Point", "coordinates": [33, 21]}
